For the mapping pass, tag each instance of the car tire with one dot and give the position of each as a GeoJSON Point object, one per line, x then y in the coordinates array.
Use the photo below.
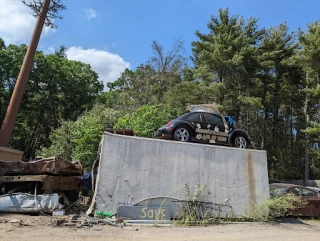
{"type": "Point", "coordinates": [241, 142]}
{"type": "Point", "coordinates": [182, 134]}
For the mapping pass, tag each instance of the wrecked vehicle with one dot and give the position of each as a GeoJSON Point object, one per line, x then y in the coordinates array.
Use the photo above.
{"type": "Point", "coordinates": [42, 185]}
{"type": "Point", "coordinates": [312, 209]}
{"type": "Point", "coordinates": [205, 124]}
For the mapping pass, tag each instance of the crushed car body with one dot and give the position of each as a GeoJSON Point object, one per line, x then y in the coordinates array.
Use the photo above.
{"type": "Point", "coordinates": [51, 166]}
{"type": "Point", "coordinates": [51, 182]}
{"type": "Point", "coordinates": [312, 208]}
{"type": "Point", "coordinates": [27, 203]}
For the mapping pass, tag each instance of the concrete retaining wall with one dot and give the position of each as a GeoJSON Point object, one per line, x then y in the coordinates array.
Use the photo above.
{"type": "Point", "coordinates": [133, 169]}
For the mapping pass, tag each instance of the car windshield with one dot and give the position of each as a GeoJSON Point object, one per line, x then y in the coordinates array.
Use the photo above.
{"type": "Point", "coordinates": [276, 190]}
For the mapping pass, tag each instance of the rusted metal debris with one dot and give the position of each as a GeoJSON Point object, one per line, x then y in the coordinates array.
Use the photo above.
{"type": "Point", "coordinates": [310, 196]}
{"type": "Point", "coordinates": [80, 222]}
{"type": "Point", "coordinates": [127, 132]}
{"type": "Point", "coordinates": [50, 184]}
{"type": "Point", "coordinates": [51, 166]}
{"type": "Point", "coordinates": [29, 180]}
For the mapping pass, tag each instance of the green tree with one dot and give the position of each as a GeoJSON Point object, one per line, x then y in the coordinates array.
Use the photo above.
{"type": "Point", "coordinates": [79, 140]}
{"type": "Point", "coordinates": [310, 57]}
{"type": "Point", "coordinates": [148, 118]}
{"type": "Point", "coordinates": [58, 89]}
{"type": "Point", "coordinates": [227, 55]}
{"type": "Point", "coordinates": [278, 79]}
{"type": "Point", "coordinates": [147, 84]}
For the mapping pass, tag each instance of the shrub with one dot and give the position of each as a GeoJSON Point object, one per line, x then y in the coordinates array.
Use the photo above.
{"type": "Point", "coordinates": [79, 140]}
{"type": "Point", "coordinates": [280, 206]}
{"type": "Point", "coordinates": [148, 118]}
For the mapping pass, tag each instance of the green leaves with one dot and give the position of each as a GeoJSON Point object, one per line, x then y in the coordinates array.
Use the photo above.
{"type": "Point", "coordinates": [266, 79]}
{"type": "Point", "coordinates": [58, 90]}
{"type": "Point", "coordinates": [148, 118]}
{"type": "Point", "coordinates": [79, 140]}
{"type": "Point", "coordinates": [224, 48]}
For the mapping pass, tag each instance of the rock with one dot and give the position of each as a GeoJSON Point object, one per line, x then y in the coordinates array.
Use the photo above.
{"type": "Point", "coordinates": [15, 221]}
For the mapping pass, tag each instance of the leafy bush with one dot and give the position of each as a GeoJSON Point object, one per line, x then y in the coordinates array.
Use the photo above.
{"type": "Point", "coordinates": [280, 206]}
{"type": "Point", "coordinates": [79, 140]}
{"type": "Point", "coordinates": [192, 213]}
{"type": "Point", "coordinates": [147, 118]}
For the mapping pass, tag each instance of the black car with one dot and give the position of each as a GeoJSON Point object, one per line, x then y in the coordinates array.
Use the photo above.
{"type": "Point", "coordinates": [205, 127]}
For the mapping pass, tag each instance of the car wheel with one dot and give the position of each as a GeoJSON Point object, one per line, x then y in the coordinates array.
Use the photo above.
{"type": "Point", "coordinates": [182, 134]}
{"type": "Point", "coordinates": [241, 142]}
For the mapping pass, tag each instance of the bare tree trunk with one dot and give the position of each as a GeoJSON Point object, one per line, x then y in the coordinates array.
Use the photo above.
{"type": "Point", "coordinates": [307, 140]}
{"type": "Point", "coordinates": [16, 98]}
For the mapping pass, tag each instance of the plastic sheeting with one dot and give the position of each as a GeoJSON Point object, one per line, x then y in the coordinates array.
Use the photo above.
{"type": "Point", "coordinates": [27, 203]}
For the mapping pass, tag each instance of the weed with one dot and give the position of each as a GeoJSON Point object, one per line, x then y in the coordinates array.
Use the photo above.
{"type": "Point", "coordinates": [274, 208]}
{"type": "Point", "coordinates": [191, 210]}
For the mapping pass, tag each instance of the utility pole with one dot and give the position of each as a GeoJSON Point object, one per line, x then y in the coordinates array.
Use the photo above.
{"type": "Point", "coordinates": [16, 98]}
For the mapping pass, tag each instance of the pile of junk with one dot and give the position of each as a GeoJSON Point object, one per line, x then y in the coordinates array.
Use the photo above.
{"type": "Point", "coordinates": [45, 185]}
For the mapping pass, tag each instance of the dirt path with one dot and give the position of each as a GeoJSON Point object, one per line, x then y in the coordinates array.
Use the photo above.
{"type": "Point", "coordinates": [36, 228]}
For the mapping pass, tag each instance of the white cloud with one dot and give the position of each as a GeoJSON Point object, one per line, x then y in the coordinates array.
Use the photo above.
{"type": "Point", "coordinates": [91, 13]}
{"type": "Point", "coordinates": [109, 66]}
{"type": "Point", "coordinates": [16, 22]}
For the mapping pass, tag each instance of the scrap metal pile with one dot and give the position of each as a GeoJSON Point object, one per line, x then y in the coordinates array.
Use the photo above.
{"type": "Point", "coordinates": [38, 186]}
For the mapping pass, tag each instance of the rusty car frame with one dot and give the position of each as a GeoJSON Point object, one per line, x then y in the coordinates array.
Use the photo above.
{"type": "Point", "coordinates": [311, 197]}
{"type": "Point", "coordinates": [42, 177]}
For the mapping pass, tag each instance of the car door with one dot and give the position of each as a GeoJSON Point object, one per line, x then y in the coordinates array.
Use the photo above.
{"type": "Point", "coordinates": [196, 120]}
{"type": "Point", "coordinates": [313, 202]}
{"type": "Point", "coordinates": [296, 191]}
{"type": "Point", "coordinates": [216, 124]}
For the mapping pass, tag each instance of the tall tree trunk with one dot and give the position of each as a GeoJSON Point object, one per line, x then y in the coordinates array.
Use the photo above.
{"type": "Point", "coordinates": [307, 140]}
{"type": "Point", "coordinates": [16, 98]}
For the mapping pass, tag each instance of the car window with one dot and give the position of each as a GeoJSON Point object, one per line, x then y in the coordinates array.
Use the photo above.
{"type": "Point", "coordinates": [276, 190]}
{"type": "Point", "coordinates": [210, 118]}
{"type": "Point", "coordinates": [295, 191]}
{"type": "Point", "coordinates": [194, 117]}
{"type": "Point", "coordinates": [308, 193]}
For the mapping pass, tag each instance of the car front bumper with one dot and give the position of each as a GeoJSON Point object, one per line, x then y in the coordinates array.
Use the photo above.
{"type": "Point", "coordinates": [164, 133]}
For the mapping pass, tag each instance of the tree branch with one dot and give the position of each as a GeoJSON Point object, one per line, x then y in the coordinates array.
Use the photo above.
{"type": "Point", "coordinates": [54, 8]}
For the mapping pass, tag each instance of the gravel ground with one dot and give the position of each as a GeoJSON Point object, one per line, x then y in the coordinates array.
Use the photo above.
{"type": "Point", "coordinates": [25, 227]}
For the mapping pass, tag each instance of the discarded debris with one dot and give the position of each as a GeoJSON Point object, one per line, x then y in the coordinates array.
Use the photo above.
{"type": "Point", "coordinates": [51, 165]}
{"type": "Point", "coordinates": [40, 186]}
{"type": "Point", "coordinates": [80, 222]}
{"type": "Point", "coordinates": [58, 213]}
{"type": "Point", "coordinates": [27, 203]}
{"type": "Point", "coordinates": [15, 221]}
{"type": "Point", "coordinates": [127, 132]}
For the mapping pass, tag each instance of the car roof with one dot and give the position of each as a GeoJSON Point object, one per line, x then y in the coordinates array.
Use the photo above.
{"type": "Point", "coordinates": [288, 185]}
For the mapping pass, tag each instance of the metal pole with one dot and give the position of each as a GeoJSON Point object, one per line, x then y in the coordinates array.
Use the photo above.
{"type": "Point", "coordinates": [16, 98]}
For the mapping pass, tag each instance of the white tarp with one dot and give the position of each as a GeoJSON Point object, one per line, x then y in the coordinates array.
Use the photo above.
{"type": "Point", "coordinates": [27, 203]}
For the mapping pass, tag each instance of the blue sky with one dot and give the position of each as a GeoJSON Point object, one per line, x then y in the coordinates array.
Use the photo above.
{"type": "Point", "coordinates": [122, 30]}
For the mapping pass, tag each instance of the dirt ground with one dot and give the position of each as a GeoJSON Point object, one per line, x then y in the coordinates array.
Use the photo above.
{"type": "Point", "coordinates": [26, 227]}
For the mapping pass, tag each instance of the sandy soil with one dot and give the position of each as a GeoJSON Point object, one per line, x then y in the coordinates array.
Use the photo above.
{"type": "Point", "coordinates": [34, 228]}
